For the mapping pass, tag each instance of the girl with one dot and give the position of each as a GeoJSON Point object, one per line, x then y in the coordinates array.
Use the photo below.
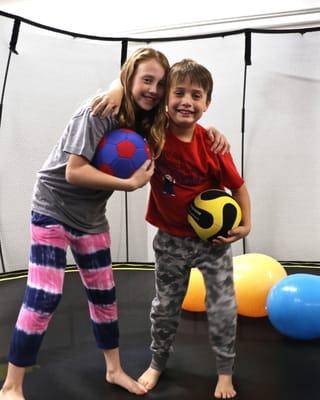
{"type": "Point", "coordinates": [68, 209]}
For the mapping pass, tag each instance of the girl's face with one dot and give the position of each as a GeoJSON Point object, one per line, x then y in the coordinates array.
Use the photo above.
{"type": "Point", "coordinates": [148, 84]}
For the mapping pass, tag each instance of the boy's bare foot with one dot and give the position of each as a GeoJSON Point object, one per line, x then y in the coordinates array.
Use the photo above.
{"type": "Point", "coordinates": [122, 379]}
{"type": "Point", "coordinates": [149, 378]}
{"type": "Point", "coordinates": [224, 388]}
{"type": "Point", "coordinates": [11, 394]}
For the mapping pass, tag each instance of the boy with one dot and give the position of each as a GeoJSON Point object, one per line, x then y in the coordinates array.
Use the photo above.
{"type": "Point", "coordinates": [185, 168]}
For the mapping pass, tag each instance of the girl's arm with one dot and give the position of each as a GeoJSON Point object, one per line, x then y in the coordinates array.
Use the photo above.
{"type": "Point", "coordinates": [220, 143]}
{"type": "Point", "coordinates": [80, 172]}
{"type": "Point", "coordinates": [108, 104]}
{"type": "Point", "coordinates": [241, 196]}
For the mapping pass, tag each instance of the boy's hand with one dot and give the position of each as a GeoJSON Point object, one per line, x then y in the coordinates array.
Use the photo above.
{"type": "Point", "coordinates": [108, 104]}
{"type": "Point", "coordinates": [105, 106]}
{"type": "Point", "coordinates": [219, 141]}
{"type": "Point", "coordinates": [233, 235]}
{"type": "Point", "coordinates": [142, 176]}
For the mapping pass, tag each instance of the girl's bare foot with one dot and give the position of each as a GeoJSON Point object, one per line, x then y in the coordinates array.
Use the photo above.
{"type": "Point", "coordinates": [224, 388]}
{"type": "Point", "coordinates": [11, 394]}
{"type": "Point", "coordinates": [149, 378]}
{"type": "Point", "coordinates": [120, 378]}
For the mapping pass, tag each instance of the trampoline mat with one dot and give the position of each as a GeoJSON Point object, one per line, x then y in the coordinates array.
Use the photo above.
{"type": "Point", "coordinates": [268, 365]}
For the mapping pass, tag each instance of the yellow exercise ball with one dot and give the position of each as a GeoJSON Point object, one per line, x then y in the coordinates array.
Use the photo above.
{"type": "Point", "coordinates": [196, 292]}
{"type": "Point", "coordinates": [254, 276]}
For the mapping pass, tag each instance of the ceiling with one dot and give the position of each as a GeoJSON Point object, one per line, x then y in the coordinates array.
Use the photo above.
{"type": "Point", "coordinates": [142, 17]}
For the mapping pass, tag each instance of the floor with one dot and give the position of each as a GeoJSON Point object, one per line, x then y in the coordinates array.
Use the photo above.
{"type": "Point", "coordinates": [269, 366]}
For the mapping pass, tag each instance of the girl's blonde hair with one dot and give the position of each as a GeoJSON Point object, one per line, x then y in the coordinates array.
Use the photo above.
{"type": "Point", "coordinates": [153, 123]}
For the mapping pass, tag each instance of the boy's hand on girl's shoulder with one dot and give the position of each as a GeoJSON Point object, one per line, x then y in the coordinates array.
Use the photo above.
{"type": "Point", "coordinates": [104, 106]}
{"type": "Point", "coordinates": [108, 103]}
{"type": "Point", "coordinates": [233, 235]}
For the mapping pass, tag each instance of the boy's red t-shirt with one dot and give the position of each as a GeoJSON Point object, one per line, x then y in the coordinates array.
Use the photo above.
{"type": "Point", "coordinates": [182, 172]}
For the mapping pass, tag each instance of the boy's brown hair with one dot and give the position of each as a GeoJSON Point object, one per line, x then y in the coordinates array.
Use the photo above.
{"type": "Point", "coordinates": [194, 71]}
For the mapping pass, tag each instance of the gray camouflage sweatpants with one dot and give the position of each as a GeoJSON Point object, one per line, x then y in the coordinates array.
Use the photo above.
{"type": "Point", "coordinates": [175, 256]}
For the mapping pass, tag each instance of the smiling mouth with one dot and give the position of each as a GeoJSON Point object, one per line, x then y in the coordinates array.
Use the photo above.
{"type": "Point", "coordinates": [150, 98]}
{"type": "Point", "coordinates": [185, 112]}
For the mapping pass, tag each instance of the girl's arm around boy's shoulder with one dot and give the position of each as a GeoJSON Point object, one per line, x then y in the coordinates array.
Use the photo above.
{"type": "Point", "coordinates": [218, 142]}
{"type": "Point", "coordinates": [241, 195]}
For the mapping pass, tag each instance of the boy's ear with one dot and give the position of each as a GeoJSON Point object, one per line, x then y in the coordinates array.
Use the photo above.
{"type": "Point", "coordinates": [207, 106]}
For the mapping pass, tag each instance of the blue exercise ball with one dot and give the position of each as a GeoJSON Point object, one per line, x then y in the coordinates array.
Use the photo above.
{"type": "Point", "coordinates": [293, 306]}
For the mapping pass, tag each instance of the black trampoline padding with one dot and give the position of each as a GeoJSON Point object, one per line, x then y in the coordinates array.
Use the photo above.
{"type": "Point", "coordinates": [268, 365]}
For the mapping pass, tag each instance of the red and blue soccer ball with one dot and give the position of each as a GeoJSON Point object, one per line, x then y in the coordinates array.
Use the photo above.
{"type": "Point", "coordinates": [121, 152]}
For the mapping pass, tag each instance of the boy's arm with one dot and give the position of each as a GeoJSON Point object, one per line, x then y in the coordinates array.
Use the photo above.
{"type": "Point", "coordinates": [108, 104]}
{"type": "Point", "coordinates": [241, 196]}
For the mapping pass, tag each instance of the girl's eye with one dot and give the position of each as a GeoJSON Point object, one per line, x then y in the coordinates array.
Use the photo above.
{"type": "Point", "coordinates": [147, 80]}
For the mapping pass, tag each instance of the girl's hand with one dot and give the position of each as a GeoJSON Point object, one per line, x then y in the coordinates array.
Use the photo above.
{"type": "Point", "coordinates": [219, 141]}
{"type": "Point", "coordinates": [233, 235]}
{"type": "Point", "coordinates": [142, 176]}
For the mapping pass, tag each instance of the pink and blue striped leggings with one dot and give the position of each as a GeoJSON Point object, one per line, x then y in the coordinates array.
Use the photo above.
{"type": "Point", "coordinates": [49, 242]}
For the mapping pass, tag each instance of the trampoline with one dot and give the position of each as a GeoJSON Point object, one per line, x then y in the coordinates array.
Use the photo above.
{"type": "Point", "coordinates": [268, 365]}
{"type": "Point", "coordinates": [266, 102]}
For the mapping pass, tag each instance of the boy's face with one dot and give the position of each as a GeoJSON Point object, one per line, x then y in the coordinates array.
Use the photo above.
{"type": "Point", "coordinates": [148, 84]}
{"type": "Point", "coordinates": [186, 103]}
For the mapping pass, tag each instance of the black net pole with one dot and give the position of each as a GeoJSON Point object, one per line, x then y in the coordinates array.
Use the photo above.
{"type": "Point", "coordinates": [247, 59]}
{"type": "Point", "coordinates": [124, 54]}
{"type": "Point", "coordinates": [12, 49]}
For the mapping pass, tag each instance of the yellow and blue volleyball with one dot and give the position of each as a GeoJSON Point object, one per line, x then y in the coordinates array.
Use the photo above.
{"type": "Point", "coordinates": [213, 213]}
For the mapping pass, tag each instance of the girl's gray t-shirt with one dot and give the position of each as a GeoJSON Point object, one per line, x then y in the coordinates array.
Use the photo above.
{"type": "Point", "coordinates": [79, 207]}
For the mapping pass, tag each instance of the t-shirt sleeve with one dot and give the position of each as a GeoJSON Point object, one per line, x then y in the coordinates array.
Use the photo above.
{"type": "Point", "coordinates": [230, 177]}
{"type": "Point", "coordinates": [223, 167]}
{"type": "Point", "coordinates": [84, 132]}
